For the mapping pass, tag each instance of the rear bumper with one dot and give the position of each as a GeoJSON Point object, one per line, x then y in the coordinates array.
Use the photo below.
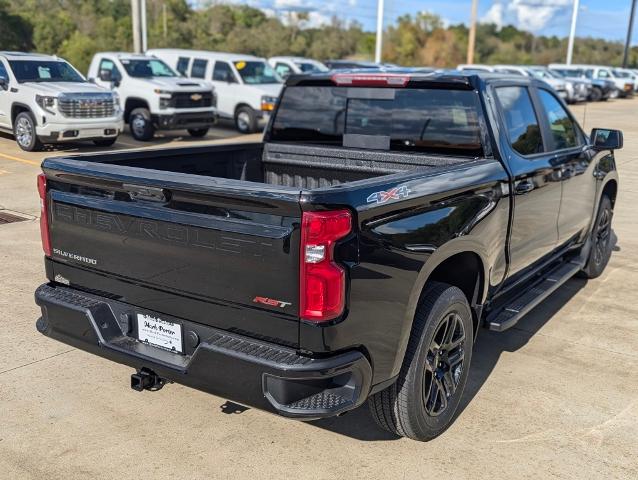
{"type": "Point", "coordinates": [247, 371]}
{"type": "Point", "coordinates": [185, 120]}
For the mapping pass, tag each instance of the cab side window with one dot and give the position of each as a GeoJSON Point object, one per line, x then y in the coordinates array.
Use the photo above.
{"type": "Point", "coordinates": [282, 69]}
{"type": "Point", "coordinates": [223, 73]}
{"type": "Point", "coordinates": [565, 132]}
{"type": "Point", "coordinates": [182, 65]}
{"type": "Point", "coordinates": [3, 71]}
{"type": "Point", "coordinates": [198, 70]}
{"type": "Point", "coordinates": [522, 124]}
{"type": "Point", "coordinates": [106, 64]}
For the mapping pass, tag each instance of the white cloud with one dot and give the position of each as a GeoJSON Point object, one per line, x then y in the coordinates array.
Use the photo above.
{"type": "Point", "coordinates": [494, 15]}
{"type": "Point", "coordinates": [532, 15]}
{"type": "Point", "coordinates": [289, 4]}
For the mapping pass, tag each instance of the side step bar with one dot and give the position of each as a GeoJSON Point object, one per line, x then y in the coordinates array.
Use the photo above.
{"type": "Point", "coordinates": [509, 315]}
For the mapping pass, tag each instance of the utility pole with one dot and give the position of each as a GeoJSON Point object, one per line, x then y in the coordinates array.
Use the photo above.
{"type": "Point", "coordinates": [379, 44]}
{"type": "Point", "coordinates": [137, 30]}
{"type": "Point", "coordinates": [572, 33]}
{"type": "Point", "coordinates": [164, 21]}
{"type": "Point", "coordinates": [625, 57]}
{"type": "Point", "coordinates": [471, 42]}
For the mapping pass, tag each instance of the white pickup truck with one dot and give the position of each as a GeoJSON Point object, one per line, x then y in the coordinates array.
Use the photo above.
{"type": "Point", "coordinates": [247, 86]}
{"type": "Point", "coordinates": [43, 99]}
{"type": "Point", "coordinates": [154, 96]}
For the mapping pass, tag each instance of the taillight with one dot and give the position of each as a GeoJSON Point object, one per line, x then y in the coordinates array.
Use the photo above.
{"type": "Point", "coordinates": [44, 215]}
{"type": "Point", "coordinates": [322, 282]}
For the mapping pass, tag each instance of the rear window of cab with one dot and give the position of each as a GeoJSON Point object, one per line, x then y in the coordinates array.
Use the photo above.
{"type": "Point", "coordinates": [401, 119]}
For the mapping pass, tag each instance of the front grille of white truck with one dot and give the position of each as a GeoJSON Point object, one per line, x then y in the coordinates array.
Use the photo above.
{"type": "Point", "coordinates": [94, 105]}
{"type": "Point", "coordinates": [191, 99]}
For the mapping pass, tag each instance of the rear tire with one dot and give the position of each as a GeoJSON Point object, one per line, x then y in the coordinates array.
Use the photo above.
{"type": "Point", "coordinates": [141, 125]}
{"type": "Point", "coordinates": [105, 142]}
{"type": "Point", "coordinates": [197, 132]}
{"type": "Point", "coordinates": [25, 134]}
{"type": "Point", "coordinates": [423, 402]}
{"type": "Point", "coordinates": [596, 94]}
{"type": "Point", "coordinates": [601, 244]}
{"type": "Point", "coordinates": [246, 120]}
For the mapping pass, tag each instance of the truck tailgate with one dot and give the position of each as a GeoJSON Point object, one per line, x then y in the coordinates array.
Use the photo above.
{"type": "Point", "coordinates": [230, 247]}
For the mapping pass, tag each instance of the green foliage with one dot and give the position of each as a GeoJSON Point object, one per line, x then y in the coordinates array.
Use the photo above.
{"type": "Point", "coordinates": [76, 29]}
{"type": "Point", "coordinates": [16, 31]}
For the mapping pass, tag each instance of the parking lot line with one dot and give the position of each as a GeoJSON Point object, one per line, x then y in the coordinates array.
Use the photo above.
{"type": "Point", "coordinates": [21, 160]}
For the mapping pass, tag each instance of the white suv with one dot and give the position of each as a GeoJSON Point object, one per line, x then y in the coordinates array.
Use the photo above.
{"type": "Point", "coordinates": [154, 96]}
{"type": "Point", "coordinates": [43, 99]}
{"type": "Point", "coordinates": [247, 87]}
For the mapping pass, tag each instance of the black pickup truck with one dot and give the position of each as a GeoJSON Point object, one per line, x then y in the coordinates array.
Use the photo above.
{"type": "Point", "coordinates": [350, 256]}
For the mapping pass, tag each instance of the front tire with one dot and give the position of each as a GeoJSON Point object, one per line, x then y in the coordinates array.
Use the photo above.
{"type": "Point", "coordinates": [141, 125]}
{"type": "Point", "coordinates": [25, 134]}
{"type": "Point", "coordinates": [601, 241]}
{"type": "Point", "coordinates": [246, 120]}
{"type": "Point", "coordinates": [422, 403]}
{"type": "Point", "coordinates": [197, 132]}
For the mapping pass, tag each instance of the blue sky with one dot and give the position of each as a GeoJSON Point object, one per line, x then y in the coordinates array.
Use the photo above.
{"type": "Point", "coordinates": [597, 18]}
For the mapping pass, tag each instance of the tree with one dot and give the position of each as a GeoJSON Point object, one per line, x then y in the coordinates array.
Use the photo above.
{"type": "Point", "coordinates": [17, 33]}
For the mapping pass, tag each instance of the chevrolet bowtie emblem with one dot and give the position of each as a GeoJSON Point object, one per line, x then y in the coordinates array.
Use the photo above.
{"type": "Point", "coordinates": [196, 97]}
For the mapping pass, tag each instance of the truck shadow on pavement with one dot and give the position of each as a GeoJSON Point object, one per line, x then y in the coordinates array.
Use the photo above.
{"type": "Point", "coordinates": [489, 346]}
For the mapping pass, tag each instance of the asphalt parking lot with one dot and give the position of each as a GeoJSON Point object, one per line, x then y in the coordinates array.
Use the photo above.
{"type": "Point", "coordinates": [555, 397]}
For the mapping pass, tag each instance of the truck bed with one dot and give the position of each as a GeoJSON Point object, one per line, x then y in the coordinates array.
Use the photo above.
{"type": "Point", "coordinates": [287, 165]}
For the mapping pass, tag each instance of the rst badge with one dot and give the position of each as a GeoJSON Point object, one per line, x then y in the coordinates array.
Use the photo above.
{"type": "Point", "coordinates": [271, 302]}
{"type": "Point", "coordinates": [397, 193]}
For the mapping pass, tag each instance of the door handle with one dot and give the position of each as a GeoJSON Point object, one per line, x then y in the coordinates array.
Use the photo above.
{"type": "Point", "coordinates": [524, 186]}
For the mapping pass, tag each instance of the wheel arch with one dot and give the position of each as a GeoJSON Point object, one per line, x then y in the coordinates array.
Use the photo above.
{"type": "Point", "coordinates": [241, 105]}
{"type": "Point", "coordinates": [131, 104]}
{"type": "Point", "coordinates": [611, 190]}
{"type": "Point", "coordinates": [462, 263]}
{"type": "Point", "coordinates": [17, 108]}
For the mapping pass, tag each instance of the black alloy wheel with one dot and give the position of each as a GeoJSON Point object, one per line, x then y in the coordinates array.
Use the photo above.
{"type": "Point", "coordinates": [444, 364]}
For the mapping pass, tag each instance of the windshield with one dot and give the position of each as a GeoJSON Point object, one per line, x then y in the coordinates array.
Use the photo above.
{"type": "Point", "coordinates": [37, 71]}
{"type": "Point", "coordinates": [256, 72]}
{"type": "Point", "coordinates": [418, 120]}
{"type": "Point", "coordinates": [311, 67]}
{"type": "Point", "coordinates": [621, 74]}
{"type": "Point", "coordinates": [148, 68]}
{"type": "Point", "coordinates": [540, 73]}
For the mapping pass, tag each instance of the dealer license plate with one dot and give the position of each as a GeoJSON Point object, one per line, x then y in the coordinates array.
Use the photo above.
{"type": "Point", "coordinates": [159, 333]}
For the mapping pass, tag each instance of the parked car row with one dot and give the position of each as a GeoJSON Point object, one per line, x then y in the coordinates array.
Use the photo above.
{"type": "Point", "coordinates": [574, 83]}
{"type": "Point", "coordinates": [44, 99]}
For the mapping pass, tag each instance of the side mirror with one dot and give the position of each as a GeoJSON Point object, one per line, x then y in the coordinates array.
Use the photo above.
{"type": "Point", "coordinates": [106, 75]}
{"type": "Point", "coordinates": [605, 139]}
{"type": "Point", "coordinates": [4, 83]}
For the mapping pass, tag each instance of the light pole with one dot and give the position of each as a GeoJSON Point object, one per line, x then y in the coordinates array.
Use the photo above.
{"type": "Point", "coordinates": [471, 41]}
{"type": "Point", "coordinates": [629, 33]}
{"type": "Point", "coordinates": [135, 19]}
{"type": "Point", "coordinates": [572, 33]}
{"type": "Point", "coordinates": [143, 21]}
{"type": "Point", "coordinates": [138, 18]}
{"type": "Point", "coordinates": [379, 43]}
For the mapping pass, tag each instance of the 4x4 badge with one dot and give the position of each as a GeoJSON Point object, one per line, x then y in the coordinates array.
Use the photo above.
{"type": "Point", "coordinates": [397, 193]}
